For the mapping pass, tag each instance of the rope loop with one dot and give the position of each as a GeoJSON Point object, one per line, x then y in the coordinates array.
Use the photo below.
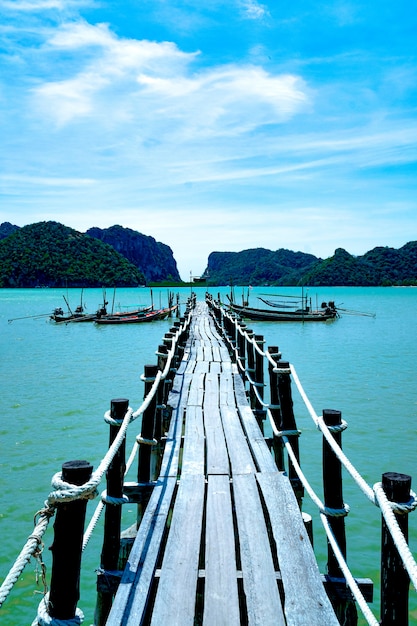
{"type": "Point", "coordinates": [338, 428]}
{"type": "Point", "coordinates": [68, 492]}
{"type": "Point", "coordinates": [115, 422]}
{"type": "Point", "coordinates": [401, 508]}
{"type": "Point", "coordinates": [44, 619]}
{"type": "Point", "coordinates": [282, 370]}
{"type": "Point", "coordinates": [288, 433]}
{"type": "Point", "coordinates": [147, 379]}
{"type": "Point", "coordinates": [146, 442]}
{"type": "Point", "coordinates": [329, 512]}
{"type": "Point", "coordinates": [112, 500]}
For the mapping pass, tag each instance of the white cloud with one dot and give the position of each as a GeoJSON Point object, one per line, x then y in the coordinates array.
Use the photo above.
{"type": "Point", "coordinates": [253, 10]}
{"type": "Point", "coordinates": [155, 81]}
{"type": "Point", "coordinates": [43, 5]}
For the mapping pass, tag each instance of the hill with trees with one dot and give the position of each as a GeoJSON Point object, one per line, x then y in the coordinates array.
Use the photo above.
{"type": "Point", "coordinates": [52, 255]}
{"type": "Point", "coordinates": [382, 266]}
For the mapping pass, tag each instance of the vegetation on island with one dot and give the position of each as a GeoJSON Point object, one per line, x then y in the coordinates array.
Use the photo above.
{"type": "Point", "coordinates": [382, 266]}
{"type": "Point", "coordinates": [49, 254]}
{"type": "Point", "coordinates": [52, 255]}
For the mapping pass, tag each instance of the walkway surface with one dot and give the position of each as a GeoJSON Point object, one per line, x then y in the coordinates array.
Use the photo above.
{"type": "Point", "coordinates": [222, 541]}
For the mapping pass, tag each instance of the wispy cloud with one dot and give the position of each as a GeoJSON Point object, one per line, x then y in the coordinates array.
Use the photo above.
{"type": "Point", "coordinates": [253, 10]}
{"type": "Point", "coordinates": [222, 100]}
{"type": "Point", "coordinates": [43, 5]}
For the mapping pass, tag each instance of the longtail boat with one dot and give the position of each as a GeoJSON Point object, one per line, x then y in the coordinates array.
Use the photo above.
{"type": "Point", "coordinates": [326, 312]}
{"type": "Point", "coordinates": [150, 316]}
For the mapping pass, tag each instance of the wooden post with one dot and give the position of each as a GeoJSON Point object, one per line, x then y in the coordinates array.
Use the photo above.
{"type": "Point", "coordinates": [394, 577]}
{"type": "Point", "coordinates": [259, 380]}
{"type": "Point", "coordinates": [344, 605]}
{"type": "Point", "coordinates": [67, 545]}
{"type": "Point", "coordinates": [241, 346]}
{"type": "Point", "coordinates": [147, 435]}
{"type": "Point", "coordinates": [108, 578]}
{"type": "Point", "coordinates": [288, 424]}
{"type": "Point", "coordinates": [275, 409]}
{"type": "Point", "coordinates": [333, 492]}
{"type": "Point", "coordinates": [250, 365]}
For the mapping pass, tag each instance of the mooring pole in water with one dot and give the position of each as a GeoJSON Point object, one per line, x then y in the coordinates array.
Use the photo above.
{"type": "Point", "coordinates": [395, 581]}
{"type": "Point", "coordinates": [67, 545]}
{"type": "Point", "coordinates": [108, 577]}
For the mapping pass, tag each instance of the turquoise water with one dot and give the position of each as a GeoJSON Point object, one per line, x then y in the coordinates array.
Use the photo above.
{"type": "Point", "coordinates": [57, 381]}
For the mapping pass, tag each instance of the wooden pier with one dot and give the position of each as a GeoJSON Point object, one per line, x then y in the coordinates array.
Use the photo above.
{"type": "Point", "coordinates": [219, 538]}
{"type": "Point", "coordinates": [222, 540]}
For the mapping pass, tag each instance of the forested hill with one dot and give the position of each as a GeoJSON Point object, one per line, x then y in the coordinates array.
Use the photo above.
{"type": "Point", "coordinates": [52, 255]}
{"type": "Point", "coordinates": [382, 266]}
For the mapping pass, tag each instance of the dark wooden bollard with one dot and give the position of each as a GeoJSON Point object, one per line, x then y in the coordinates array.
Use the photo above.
{"type": "Point", "coordinates": [67, 545]}
{"type": "Point", "coordinates": [288, 424]}
{"type": "Point", "coordinates": [275, 408]}
{"type": "Point", "coordinates": [344, 604]}
{"type": "Point", "coordinates": [108, 579]}
{"type": "Point", "coordinates": [145, 441]}
{"type": "Point", "coordinates": [394, 577]}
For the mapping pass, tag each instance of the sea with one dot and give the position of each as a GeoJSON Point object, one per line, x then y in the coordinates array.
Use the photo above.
{"type": "Point", "coordinates": [57, 381]}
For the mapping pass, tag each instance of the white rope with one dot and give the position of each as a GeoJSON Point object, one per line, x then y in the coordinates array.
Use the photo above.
{"type": "Point", "coordinates": [30, 548]}
{"type": "Point", "coordinates": [318, 420]}
{"type": "Point", "coordinates": [387, 510]}
{"type": "Point", "coordinates": [44, 619]}
{"type": "Point", "coordinates": [367, 613]}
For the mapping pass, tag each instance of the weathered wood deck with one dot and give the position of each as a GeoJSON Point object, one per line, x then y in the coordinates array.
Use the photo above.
{"type": "Point", "coordinates": [222, 541]}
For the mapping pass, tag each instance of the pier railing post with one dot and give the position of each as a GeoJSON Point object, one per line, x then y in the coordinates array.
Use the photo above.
{"type": "Point", "coordinates": [275, 407]}
{"type": "Point", "coordinates": [146, 439]}
{"type": "Point", "coordinates": [259, 410]}
{"type": "Point", "coordinates": [394, 577]}
{"type": "Point", "coordinates": [108, 577]}
{"type": "Point", "coordinates": [250, 365]}
{"type": "Point", "coordinates": [345, 607]}
{"type": "Point", "coordinates": [241, 347]}
{"type": "Point", "coordinates": [67, 545]}
{"type": "Point", "coordinates": [288, 424]}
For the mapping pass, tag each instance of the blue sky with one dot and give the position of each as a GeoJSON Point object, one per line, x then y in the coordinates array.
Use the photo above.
{"type": "Point", "coordinates": [212, 126]}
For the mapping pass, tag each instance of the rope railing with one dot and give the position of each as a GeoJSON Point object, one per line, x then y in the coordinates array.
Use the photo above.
{"type": "Point", "coordinates": [68, 492]}
{"type": "Point", "coordinates": [375, 494]}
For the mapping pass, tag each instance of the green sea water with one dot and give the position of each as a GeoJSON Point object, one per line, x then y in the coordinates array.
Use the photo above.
{"type": "Point", "coordinates": [56, 382]}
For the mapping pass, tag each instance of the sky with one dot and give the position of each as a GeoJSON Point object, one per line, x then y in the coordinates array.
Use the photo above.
{"type": "Point", "coordinates": [212, 126]}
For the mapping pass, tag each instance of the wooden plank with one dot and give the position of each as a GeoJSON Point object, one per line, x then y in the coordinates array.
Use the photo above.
{"type": "Point", "coordinates": [259, 578]}
{"type": "Point", "coordinates": [170, 459]}
{"type": "Point", "coordinates": [237, 446]}
{"type": "Point", "coordinates": [227, 394]}
{"type": "Point", "coordinates": [132, 596]}
{"type": "Point", "coordinates": [194, 442]}
{"type": "Point", "coordinates": [196, 392]}
{"type": "Point", "coordinates": [221, 601]}
{"type": "Point", "coordinates": [257, 444]}
{"type": "Point", "coordinates": [216, 450]}
{"type": "Point", "coordinates": [175, 597]}
{"type": "Point", "coordinates": [306, 601]}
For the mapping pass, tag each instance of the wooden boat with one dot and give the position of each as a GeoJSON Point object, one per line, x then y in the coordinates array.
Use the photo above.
{"type": "Point", "coordinates": [150, 316]}
{"type": "Point", "coordinates": [118, 314]}
{"type": "Point", "coordinates": [305, 314]}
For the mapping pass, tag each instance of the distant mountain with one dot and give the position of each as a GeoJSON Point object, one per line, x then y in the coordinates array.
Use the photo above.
{"type": "Point", "coordinates": [382, 266]}
{"type": "Point", "coordinates": [52, 255]}
{"type": "Point", "coordinates": [258, 266]}
{"type": "Point", "coordinates": [7, 229]}
{"type": "Point", "coordinates": [154, 259]}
